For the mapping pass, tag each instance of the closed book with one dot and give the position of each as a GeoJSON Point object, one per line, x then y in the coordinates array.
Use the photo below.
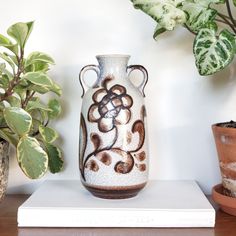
{"type": "Point", "coordinates": [162, 203]}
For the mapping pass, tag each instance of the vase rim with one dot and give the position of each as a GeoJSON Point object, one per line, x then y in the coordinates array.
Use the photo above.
{"type": "Point", "coordinates": [113, 56]}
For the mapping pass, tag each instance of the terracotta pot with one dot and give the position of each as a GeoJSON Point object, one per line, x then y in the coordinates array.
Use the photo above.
{"type": "Point", "coordinates": [227, 204]}
{"type": "Point", "coordinates": [4, 167]}
{"type": "Point", "coordinates": [225, 139]}
{"type": "Point", "coordinates": [113, 140]}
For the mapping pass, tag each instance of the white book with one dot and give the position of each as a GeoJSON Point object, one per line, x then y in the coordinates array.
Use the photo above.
{"type": "Point", "coordinates": [162, 203]}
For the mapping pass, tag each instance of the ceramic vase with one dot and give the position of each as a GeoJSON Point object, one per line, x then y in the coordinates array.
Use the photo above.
{"type": "Point", "coordinates": [113, 152]}
{"type": "Point", "coordinates": [4, 167]}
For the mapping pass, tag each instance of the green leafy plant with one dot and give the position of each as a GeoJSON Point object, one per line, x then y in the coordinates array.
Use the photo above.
{"type": "Point", "coordinates": [24, 118]}
{"type": "Point", "coordinates": [214, 45]}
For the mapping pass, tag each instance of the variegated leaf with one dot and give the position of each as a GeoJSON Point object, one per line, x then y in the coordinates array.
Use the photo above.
{"type": "Point", "coordinates": [18, 120]}
{"type": "Point", "coordinates": [31, 157]}
{"type": "Point", "coordinates": [9, 136]}
{"type": "Point", "coordinates": [213, 53]}
{"type": "Point", "coordinates": [48, 134]}
{"type": "Point", "coordinates": [55, 107]}
{"type": "Point", "coordinates": [35, 57]}
{"type": "Point", "coordinates": [199, 13]}
{"type": "Point", "coordinates": [20, 32]}
{"type": "Point", "coordinates": [165, 12]}
{"type": "Point", "coordinates": [55, 161]}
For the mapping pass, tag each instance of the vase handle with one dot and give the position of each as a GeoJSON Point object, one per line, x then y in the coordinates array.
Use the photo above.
{"type": "Point", "coordinates": [84, 86]}
{"type": "Point", "coordinates": [145, 76]}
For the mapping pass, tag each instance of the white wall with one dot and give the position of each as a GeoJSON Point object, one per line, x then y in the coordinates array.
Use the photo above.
{"type": "Point", "coordinates": [181, 105]}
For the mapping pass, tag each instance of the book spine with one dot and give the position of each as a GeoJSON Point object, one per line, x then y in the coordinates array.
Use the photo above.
{"type": "Point", "coordinates": [110, 218]}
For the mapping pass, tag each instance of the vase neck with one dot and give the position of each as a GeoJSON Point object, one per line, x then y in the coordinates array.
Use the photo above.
{"type": "Point", "coordinates": [112, 65]}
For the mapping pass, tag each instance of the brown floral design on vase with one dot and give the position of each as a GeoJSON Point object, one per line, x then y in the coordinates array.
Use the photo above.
{"type": "Point", "coordinates": [110, 108]}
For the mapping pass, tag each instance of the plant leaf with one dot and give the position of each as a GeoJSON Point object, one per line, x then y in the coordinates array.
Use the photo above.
{"type": "Point", "coordinates": [56, 89]}
{"type": "Point", "coordinates": [38, 57]}
{"type": "Point", "coordinates": [20, 32]}
{"type": "Point", "coordinates": [39, 89]}
{"type": "Point", "coordinates": [14, 101]}
{"type": "Point", "coordinates": [10, 137]}
{"type": "Point", "coordinates": [165, 12]}
{"type": "Point", "coordinates": [32, 105]}
{"type": "Point", "coordinates": [4, 81]}
{"type": "Point", "coordinates": [55, 107]}
{"type": "Point", "coordinates": [30, 26]}
{"type": "Point", "coordinates": [55, 158]}
{"type": "Point", "coordinates": [39, 79]}
{"type": "Point", "coordinates": [20, 90]}
{"type": "Point", "coordinates": [18, 120]}
{"type": "Point", "coordinates": [199, 13]}
{"type": "Point", "coordinates": [7, 59]}
{"type": "Point", "coordinates": [35, 126]}
{"type": "Point", "coordinates": [40, 66]}
{"type": "Point", "coordinates": [48, 134]}
{"type": "Point", "coordinates": [13, 58]}
{"type": "Point", "coordinates": [5, 42]}
{"type": "Point", "coordinates": [31, 157]}
{"type": "Point", "coordinates": [4, 71]}
{"type": "Point", "coordinates": [234, 1]}
{"type": "Point", "coordinates": [213, 53]}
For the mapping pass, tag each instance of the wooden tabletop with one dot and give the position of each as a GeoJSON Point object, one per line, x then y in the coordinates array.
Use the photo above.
{"type": "Point", "coordinates": [225, 226]}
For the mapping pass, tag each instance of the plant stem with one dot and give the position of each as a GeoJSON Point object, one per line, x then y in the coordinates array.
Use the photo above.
{"type": "Point", "coordinates": [16, 78]}
{"type": "Point", "coordinates": [189, 29]}
{"type": "Point", "coordinates": [230, 13]}
{"type": "Point", "coordinates": [27, 98]}
{"type": "Point", "coordinates": [226, 16]}
{"type": "Point", "coordinates": [226, 21]}
{"type": "Point", "coordinates": [222, 21]}
{"type": "Point", "coordinates": [37, 132]}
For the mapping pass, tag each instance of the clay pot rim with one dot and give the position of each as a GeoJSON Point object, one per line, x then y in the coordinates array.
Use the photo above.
{"type": "Point", "coordinates": [222, 199]}
{"type": "Point", "coordinates": [216, 125]}
{"type": "Point", "coordinates": [227, 130]}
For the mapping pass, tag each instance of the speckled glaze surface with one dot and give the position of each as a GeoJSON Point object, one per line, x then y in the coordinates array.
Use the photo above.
{"type": "Point", "coordinates": [225, 139]}
{"type": "Point", "coordinates": [113, 152]}
{"type": "Point", "coordinates": [4, 167]}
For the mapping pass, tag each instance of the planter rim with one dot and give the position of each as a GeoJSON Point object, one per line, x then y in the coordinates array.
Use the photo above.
{"type": "Point", "coordinates": [222, 199]}
{"type": "Point", "coordinates": [220, 123]}
{"type": "Point", "coordinates": [223, 129]}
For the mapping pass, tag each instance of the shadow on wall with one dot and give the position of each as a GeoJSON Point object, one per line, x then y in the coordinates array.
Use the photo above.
{"type": "Point", "coordinates": [187, 155]}
{"type": "Point", "coordinates": [224, 78]}
{"type": "Point", "coordinates": [179, 40]}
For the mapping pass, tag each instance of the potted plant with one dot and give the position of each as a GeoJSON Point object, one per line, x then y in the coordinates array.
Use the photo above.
{"type": "Point", "coordinates": [214, 48]}
{"type": "Point", "coordinates": [24, 117]}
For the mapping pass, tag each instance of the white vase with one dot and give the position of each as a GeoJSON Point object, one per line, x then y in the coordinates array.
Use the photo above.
{"type": "Point", "coordinates": [113, 153]}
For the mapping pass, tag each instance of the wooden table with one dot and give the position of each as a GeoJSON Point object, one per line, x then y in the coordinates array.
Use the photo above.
{"type": "Point", "coordinates": [225, 226]}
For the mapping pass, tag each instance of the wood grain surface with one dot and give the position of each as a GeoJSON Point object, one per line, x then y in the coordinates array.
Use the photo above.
{"type": "Point", "coordinates": [225, 226]}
